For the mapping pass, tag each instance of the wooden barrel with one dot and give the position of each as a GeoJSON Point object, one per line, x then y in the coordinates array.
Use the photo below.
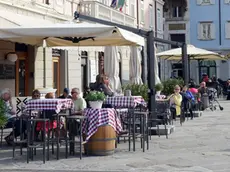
{"type": "Point", "coordinates": [102, 143]}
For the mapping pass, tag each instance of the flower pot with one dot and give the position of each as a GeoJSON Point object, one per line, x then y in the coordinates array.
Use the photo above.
{"type": "Point", "coordinates": [95, 104]}
{"type": "Point", "coordinates": [158, 93]}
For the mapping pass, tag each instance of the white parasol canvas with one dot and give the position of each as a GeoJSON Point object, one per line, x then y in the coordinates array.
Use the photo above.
{"type": "Point", "coordinates": [111, 67]}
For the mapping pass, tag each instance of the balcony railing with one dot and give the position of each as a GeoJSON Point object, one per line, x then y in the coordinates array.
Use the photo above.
{"type": "Point", "coordinates": [99, 10]}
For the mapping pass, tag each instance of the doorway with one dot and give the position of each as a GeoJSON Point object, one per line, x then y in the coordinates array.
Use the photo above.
{"type": "Point", "coordinates": [56, 75]}
{"type": "Point", "coordinates": [207, 67]}
{"type": "Point", "coordinates": [21, 75]}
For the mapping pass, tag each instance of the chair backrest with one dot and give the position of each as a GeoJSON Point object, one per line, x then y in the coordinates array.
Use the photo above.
{"type": "Point", "coordinates": [18, 103]}
{"type": "Point", "coordinates": [162, 107]}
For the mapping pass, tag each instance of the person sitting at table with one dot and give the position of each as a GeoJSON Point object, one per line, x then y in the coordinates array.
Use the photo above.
{"type": "Point", "coordinates": [175, 102]}
{"type": "Point", "coordinates": [103, 86]}
{"type": "Point", "coordinates": [11, 117]}
{"type": "Point", "coordinates": [79, 102]}
{"type": "Point", "coordinates": [65, 94]}
{"type": "Point", "coordinates": [48, 114]}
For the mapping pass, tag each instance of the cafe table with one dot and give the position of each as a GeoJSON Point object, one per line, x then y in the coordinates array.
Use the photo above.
{"type": "Point", "coordinates": [101, 129]}
{"type": "Point", "coordinates": [49, 104]}
{"type": "Point", "coordinates": [125, 101]}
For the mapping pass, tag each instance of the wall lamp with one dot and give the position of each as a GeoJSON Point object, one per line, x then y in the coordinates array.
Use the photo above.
{"type": "Point", "coordinates": [12, 57]}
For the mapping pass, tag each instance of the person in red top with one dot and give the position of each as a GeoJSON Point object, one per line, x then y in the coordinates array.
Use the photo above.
{"type": "Point", "coordinates": [205, 78]}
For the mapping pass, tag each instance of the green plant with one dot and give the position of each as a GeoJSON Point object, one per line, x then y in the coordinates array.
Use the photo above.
{"type": "Point", "coordinates": [170, 84]}
{"type": "Point", "coordinates": [95, 96]}
{"type": "Point", "coordinates": [3, 118]}
{"type": "Point", "coordinates": [159, 87]}
{"type": "Point", "coordinates": [137, 90]}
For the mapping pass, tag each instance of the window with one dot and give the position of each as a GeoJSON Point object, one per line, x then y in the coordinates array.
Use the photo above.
{"type": "Point", "coordinates": [205, 2]}
{"type": "Point", "coordinates": [142, 12]}
{"type": "Point", "coordinates": [227, 30]}
{"type": "Point", "coordinates": [227, 1]}
{"type": "Point", "coordinates": [177, 12]}
{"type": "Point", "coordinates": [159, 19]}
{"type": "Point", "coordinates": [206, 31]}
{"type": "Point", "coordinates": [132, 10]}
{"type": "Point", "coordinates": [150, 17]}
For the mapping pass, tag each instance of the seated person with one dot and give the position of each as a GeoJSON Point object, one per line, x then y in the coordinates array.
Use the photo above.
{"type": "Point", "coordinates": [188, 100]}
{"type": "Point", "coordinates": [48, 114]}
{"type": "Point", "coordinates": [103, 86]}
{"type": "Point", "coordinates": [11, 117]}
{"type": "Point", "coordinates": [79, 102]}
{"type": "Point", "coordinates": [175, 102]}
{"type": "Point", "coordinates": [65, 94]}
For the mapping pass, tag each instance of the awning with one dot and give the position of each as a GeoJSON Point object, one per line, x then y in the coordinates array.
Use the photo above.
{"type": "Point", "coordinates": [193, 52]}
{"type": "Point", "coordinates": [71, 34]}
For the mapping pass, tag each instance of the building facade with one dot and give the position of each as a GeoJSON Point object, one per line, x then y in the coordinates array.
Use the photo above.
{"type": "Point", "coordinates": [66, 67]}
{"type": "Point", "coordinates": [210, 28]}
{"type": "Point", "coordinates": [176, 28]}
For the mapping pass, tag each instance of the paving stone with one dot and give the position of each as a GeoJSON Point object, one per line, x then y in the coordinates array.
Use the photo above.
{"type": "Point", "coordinates": [200, 145]}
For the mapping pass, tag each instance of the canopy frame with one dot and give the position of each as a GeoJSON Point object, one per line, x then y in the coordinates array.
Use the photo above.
{"type": "Point", "coordinates": [148, 77]}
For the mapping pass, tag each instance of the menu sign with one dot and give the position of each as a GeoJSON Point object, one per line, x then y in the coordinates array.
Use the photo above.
{"type": "Point", "coordinates": [7, 71]}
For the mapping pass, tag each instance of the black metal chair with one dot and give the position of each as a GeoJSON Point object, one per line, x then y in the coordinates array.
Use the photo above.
{"type": "Point", "coordinates": [32, 143]}
{"type": "Point", "coordinates": [73, 127]}
{"type": "Point", "coordinates": [135, 126]}
{"type": "Point", "coordinates": [162, 116]}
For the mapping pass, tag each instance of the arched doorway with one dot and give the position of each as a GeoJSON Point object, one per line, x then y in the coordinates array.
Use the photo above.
{"type": "Point", "coordinates": [207, 67]}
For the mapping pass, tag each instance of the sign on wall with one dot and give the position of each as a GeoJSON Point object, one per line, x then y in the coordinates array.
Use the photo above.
{"type": "Point", "coordinates": [7, 71]}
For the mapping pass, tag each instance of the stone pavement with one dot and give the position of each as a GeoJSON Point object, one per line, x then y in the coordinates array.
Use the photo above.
{"type": "Point", "coordinates": [200, 145]}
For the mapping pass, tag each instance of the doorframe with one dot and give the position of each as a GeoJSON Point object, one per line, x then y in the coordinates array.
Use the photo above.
{"type": "Point", "coordinates": [56, 59]}
{"type": "Point", "coordinates": [21, 56]}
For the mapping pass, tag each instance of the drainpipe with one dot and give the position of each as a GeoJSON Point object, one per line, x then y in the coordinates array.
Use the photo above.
{"type": "Point", "coordinates": [220, 39]}
{"type": "Point", "coordinates": [44, 67]}
{"type": "Point", "coordinates": [138, 27]}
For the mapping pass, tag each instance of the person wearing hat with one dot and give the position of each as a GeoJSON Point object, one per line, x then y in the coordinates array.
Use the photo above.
{"type": "Point", "coordinates": [65, 94]}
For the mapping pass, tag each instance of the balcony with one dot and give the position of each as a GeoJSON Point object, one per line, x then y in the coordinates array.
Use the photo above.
{"type": "Point", "coordinates": [99, 10]}
{"type": "Point", "coordinates": [175, 10]}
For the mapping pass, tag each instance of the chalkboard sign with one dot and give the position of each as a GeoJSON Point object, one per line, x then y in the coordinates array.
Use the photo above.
{"type": "Point", "coordinates": [7, 71]}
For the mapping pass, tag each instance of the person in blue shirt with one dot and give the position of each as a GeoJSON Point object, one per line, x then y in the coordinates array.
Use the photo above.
{"type": "Point", "coordinates": [188, 100]}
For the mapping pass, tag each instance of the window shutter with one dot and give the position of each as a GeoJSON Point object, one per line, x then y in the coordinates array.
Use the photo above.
{"type": "Point", "coordinates": [199, 31]}
{"type": "Point", "coordinates": [213, 31]}
{"type": "Point", "coordinates": [212, 1]}
{"type": "Point", "coordinates": [199, 2]}
{"type": "Point", "coordinates": [227, 30]}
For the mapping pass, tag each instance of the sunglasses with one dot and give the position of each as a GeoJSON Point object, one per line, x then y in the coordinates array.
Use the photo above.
{"type": "Point", "coordinates": [73, 92]}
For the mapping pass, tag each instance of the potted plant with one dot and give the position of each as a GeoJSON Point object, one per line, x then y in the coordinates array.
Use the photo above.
{"type": "Point", "coordinates": [95, 99]}
{"type": "Point", "coordinates": [159, 87]}
{"type": "Point", "coordinates": [170, 84]}
{"type": "Point", "coordinates": [3, 119]}
{"type": "Point", "coordinates": [137, 90]}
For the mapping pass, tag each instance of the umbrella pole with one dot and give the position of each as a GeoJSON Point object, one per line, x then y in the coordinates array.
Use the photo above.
{"type": "Point", "coordinates": [151, 73]}
{"type": "Point", "coordinates": [185, 63]}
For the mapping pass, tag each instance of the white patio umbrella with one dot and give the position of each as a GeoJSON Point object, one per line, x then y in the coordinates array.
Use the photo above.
{"type": "Point", "coordinates": [135, 65]}
{"type": "Point", "coordinates": [193, 52]}
{"type": "Point", "coordinates": [111, 67]}
{"type": "Point", "coordinates": [71, 34]}
{"type": "Point", "coordinates": [156, 68]}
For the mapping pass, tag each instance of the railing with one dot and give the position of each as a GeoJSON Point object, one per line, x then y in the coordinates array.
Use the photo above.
{"type": "Point", "coordinates": [99, 10]}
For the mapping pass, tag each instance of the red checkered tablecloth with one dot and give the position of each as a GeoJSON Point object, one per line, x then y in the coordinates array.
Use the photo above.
{"type": "Point", "coordinates": [49, 104]}
{"type": "Point", "coordinates": [100, 117]}
{"type": "Point", "coordinates": [125, 101]}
